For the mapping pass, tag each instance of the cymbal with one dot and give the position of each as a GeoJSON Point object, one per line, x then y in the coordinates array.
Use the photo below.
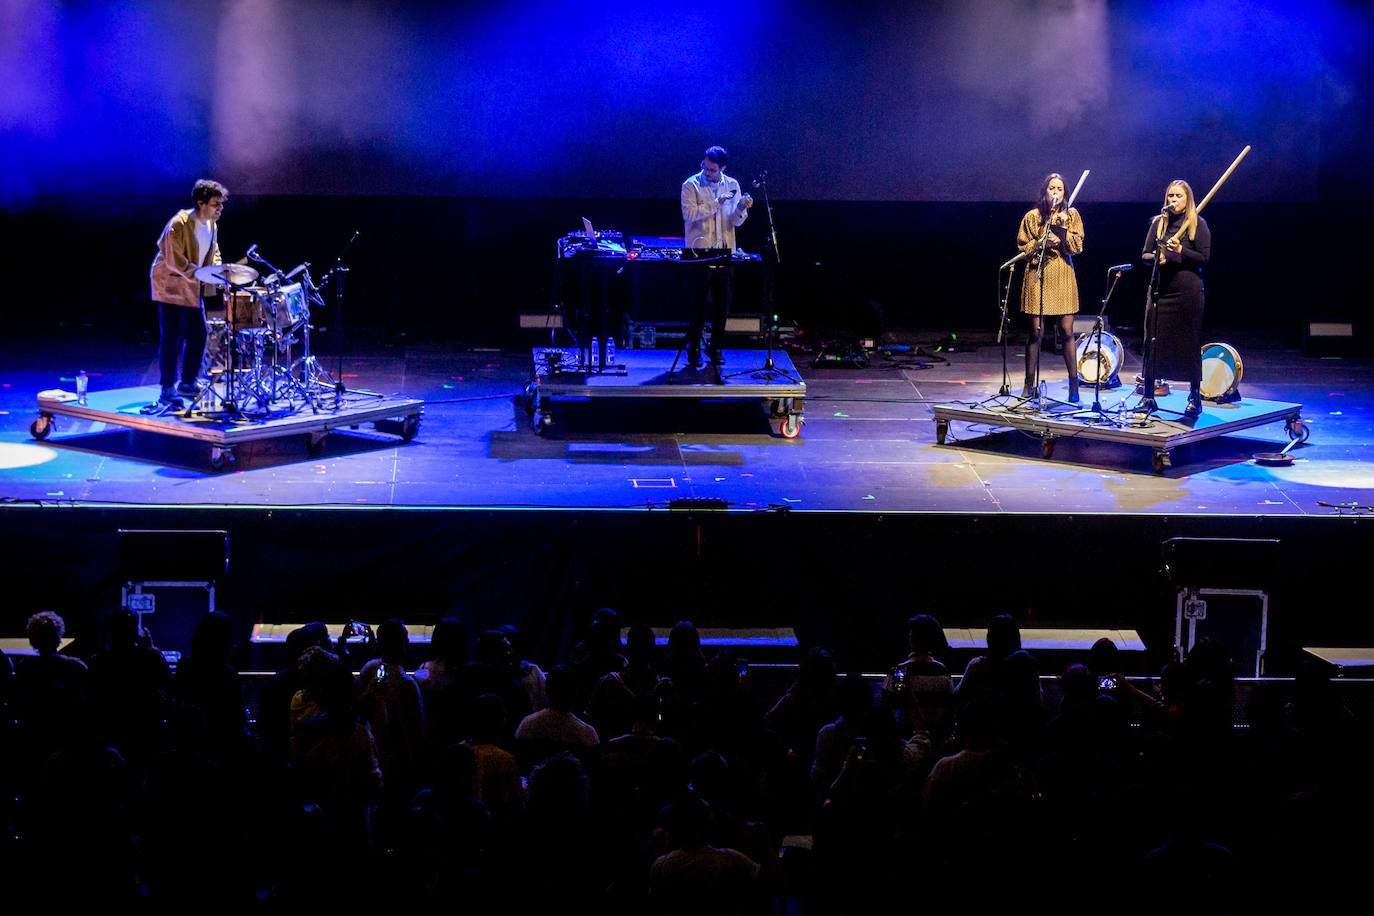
{"type": "Point", "coordinates": [226, 274]}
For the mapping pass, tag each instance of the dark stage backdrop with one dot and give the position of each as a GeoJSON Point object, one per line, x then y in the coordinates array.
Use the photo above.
{"type": "Point", "coordinates": [901, 142]}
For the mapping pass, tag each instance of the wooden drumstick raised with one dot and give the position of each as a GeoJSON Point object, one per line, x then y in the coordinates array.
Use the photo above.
{"type": "Point", "coordinates": [1224, 175]}
{"type": "Point", "coordinates": [1220, 181]}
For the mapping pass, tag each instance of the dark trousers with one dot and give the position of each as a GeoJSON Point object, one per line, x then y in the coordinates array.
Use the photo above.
{"type": "Point", "coordinates": [714, 292]}
{"type": "Point", "coordinates": [181, 345]}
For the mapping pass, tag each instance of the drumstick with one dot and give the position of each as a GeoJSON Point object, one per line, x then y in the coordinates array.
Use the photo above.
{"type": "Point", "coordinates": [1220, 181]}
{"type": "Point", "coordinates": [1224, 175]}
{"type": "Point", "coordinates": [1084, 177]}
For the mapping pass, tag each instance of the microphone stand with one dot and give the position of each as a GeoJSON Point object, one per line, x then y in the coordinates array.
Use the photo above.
{"type": "Point", "coordinates": [1148, 405]}
{"type": "Point", "coordinates": [1096, 409]}
{"type": "Point", "coordinates": [1040, 278]}
{"type": "Point", "coordinates": [335, 277]}
{"type": "Point", "coordinates": [1003, 294]}
{"type": "Point", "coordinates": [769, 370]}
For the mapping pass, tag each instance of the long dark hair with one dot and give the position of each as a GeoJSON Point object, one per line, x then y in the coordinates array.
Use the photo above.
{"type": "Point", "coordinates": [1043, 203]}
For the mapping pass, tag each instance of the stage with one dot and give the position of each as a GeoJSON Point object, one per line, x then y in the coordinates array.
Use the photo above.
{"type": "Point", "coordinates": [696, 507]}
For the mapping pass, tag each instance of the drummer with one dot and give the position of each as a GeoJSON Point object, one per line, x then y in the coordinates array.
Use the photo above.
{"type": "Point", "coordinates": [189, 241]}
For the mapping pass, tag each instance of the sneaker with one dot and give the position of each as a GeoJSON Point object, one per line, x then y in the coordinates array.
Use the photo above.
{"type": "Point", "coordinates": [187, 390]}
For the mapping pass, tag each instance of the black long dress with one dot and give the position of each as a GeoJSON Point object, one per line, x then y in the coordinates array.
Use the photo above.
{"type": "Point", "coordinates": [1177, 351]}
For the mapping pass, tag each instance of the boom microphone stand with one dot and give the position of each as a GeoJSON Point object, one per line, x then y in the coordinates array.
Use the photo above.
{"type": "Point", "coordinates": [769, 370]}
{"type": "Point", "coordinates": [1096, 409]}
{"type": "Point", "coordinates": [1003, 294]}
{"type": "Point", "coordinates": [335, 277]}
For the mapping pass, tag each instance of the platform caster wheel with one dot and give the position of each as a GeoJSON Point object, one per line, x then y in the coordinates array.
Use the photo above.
{"type": "Point", "coordinates": [41, 428]}
{"type": "Point", "coordinates": [410, 426]}
{"type": "Point", "coordinates": [790, 427]}
{"type": "Point", "coordinates": [221, 458]}
{"type": "Point", "coordinates": [530, 398]}
{"type": "Point", "coordinates": [941, 431]}
{"type": "Point", "coordinates": [1298, 430]}
{"type": "Point", "coordinates": [781, 407]}
{"type": "Point", "coordinates": [314, 445]}
{"type": "Point", "coordinates": [542, 422]}
{"type": "Point", "coordinates": [1047, 447]}
{"type": "Point", "coordinates": [1159, 461]}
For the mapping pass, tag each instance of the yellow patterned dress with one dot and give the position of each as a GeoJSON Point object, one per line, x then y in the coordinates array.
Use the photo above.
{"type": "Point", "coordinates": [1061, 286]}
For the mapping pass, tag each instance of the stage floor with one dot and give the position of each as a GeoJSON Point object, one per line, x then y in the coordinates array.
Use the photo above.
{"type": "Point", "coordinates": [869, 442]}
{"type": "Point", "coordinates": [699, 507]}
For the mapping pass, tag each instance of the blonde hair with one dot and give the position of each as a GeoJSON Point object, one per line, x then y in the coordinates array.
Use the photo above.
{"type": "Point", "coordinates": [1189, 211]}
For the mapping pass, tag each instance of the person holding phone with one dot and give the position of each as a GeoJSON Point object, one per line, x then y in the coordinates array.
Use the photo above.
{"type": "Point", "coordinates": [713, 206]}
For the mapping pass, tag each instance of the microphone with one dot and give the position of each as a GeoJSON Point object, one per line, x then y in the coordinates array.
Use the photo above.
{"type": "Point", "coordinates": [1019, 257]}
{"type": "Point", "coordinates": [1166, 209]}
{"type": "Point", "coordinates": [306, 264]}
{"type": "Point", "coordinates": [252, 251]}
{"type": "Point", "coordinates": [1119, 267]}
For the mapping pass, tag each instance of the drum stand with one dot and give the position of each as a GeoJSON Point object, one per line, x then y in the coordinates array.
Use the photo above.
{"type": "Point", "coordinates": [272, 381]}
{"type": "Point", "coordinates": [314, 379]}
{"type": "Point", "coordinates": [207, 396]}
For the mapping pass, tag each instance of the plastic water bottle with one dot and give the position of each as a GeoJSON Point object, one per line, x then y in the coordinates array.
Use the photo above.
{"type": "Point", "coordinates": [596, 352]}
{"type": "Point", "coordinates": [610, 351]}
{"type": "Point", "coordinates": [81, 386]}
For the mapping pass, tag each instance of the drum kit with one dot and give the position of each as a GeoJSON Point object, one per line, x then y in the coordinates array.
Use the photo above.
{"type": "Point", "coordinates": [258, 356]}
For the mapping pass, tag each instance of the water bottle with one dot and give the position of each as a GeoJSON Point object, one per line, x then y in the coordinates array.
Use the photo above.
{"type": "Point", "coordinates": [610, 351]}
{"type": "Point", "coordinates": [596, 352]}
{"type": "Point", "coordinates": [81, 385]}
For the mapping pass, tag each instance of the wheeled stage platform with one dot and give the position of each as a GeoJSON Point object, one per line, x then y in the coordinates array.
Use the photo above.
{"type": "Point", "coordinates": [567, 374]}
{"type": "Point", "coordinates": [1120, 419]}
{"type": "Point", "coordinates": [136, 408]}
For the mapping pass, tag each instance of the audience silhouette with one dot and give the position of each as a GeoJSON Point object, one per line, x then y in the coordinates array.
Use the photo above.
{"type": "Point", "coordinates": [679, 782]}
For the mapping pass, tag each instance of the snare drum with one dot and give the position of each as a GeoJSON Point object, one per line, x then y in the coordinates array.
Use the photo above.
{"type": "Point", "coordinates": [1100, 363]}
{"type": "Point", "coordinates": [242, 309]}
{"type": "Point", "coordinates": [1221, 372]}
{"type": "Point", "coordinates": [286, 307]}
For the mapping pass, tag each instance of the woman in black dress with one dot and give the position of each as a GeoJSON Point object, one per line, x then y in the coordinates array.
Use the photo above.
{"type": "Point", "coordinates": [1181, 243]}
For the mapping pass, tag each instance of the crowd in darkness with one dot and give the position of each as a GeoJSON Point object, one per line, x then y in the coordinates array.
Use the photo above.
{"type": "Point", "coordinates": [629, 776]}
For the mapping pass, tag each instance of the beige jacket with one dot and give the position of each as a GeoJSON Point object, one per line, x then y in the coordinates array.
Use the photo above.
{"type": "Point", "coordinates": [174, 266]}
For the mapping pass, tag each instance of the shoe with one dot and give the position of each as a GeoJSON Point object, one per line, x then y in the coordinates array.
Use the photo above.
{"type": "Point", "coordinates": [1073, 391]}
{"type": "Point", "coordinates": [1027, 390]}
{"type": "Point", "coordinates": [187, 390]}
{"type": "Point", "coordinates": [168, 397]}
{"type": "Point", "coordinates": [1194, 407]}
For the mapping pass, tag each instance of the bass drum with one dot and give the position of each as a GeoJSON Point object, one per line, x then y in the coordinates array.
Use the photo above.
{"type": "Point", "coordinates": [1100, 362]}
{"type": "Point", "coordinates": [1221, 372]}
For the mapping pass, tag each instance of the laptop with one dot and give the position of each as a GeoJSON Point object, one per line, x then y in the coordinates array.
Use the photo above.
{"type": "Point", "coordinates": [603, 246]}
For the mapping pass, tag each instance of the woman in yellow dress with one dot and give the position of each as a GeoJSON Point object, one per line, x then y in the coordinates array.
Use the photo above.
{"type": "Point", "coordinates": [1050, 289]}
